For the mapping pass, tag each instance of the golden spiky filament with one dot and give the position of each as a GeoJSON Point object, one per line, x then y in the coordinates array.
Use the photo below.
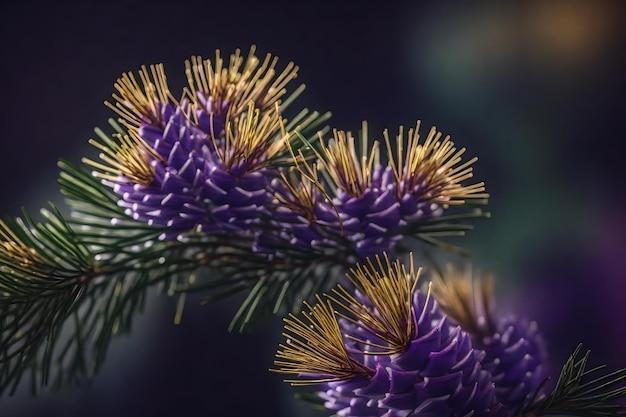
{"type": "Point", "coordinates": [350, 168]}
{"type": "Point", "coordinates": [129, 158]}
{"type": "Point", "coordinates": [304, 185]}
{"type": "Point", "coordinates": [466, 299]}
{"type": "Point", "coordinates": [239, 82]}
{"type": "Point", "coordinates": [315, 350]}
{"type": "Point", "coordinates": [434, 165]}
{"type": "Point", "coordinates": [18, 252]}
{"type": "Point", "coordinates": [137, 102]}
{"type": "Point", "coordinates": [304, 192]}
{"type": "Point", "coordinates": [389, 287]}
{"type": "Point", "coordinates": [253, 138]}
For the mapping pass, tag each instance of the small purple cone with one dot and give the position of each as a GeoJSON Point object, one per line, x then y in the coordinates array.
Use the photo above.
{"type": "Point", "coordinates": [192, 189]}
{"type": "Point", "coordinates": [514, 356]}
{"type": "Point", "coordinates": [439, 374]}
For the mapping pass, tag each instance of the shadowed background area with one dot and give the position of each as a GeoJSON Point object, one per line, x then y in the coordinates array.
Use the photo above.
{"type": "Point", "coordinates": [535, 90]}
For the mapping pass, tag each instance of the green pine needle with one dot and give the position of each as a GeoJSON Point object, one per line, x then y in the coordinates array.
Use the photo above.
{"type": "Point", "coordinates": [580, 393]}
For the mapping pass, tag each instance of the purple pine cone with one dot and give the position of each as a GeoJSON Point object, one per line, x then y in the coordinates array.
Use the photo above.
{"type": "Point", "coordinates": [178, 196]}
{"type": "Point", "coordinates": [439, 374]}
{"type": "Point", "coordinates": [203, 163]}
{"type": "Point", "coordinates": [514, 356]}
{"type": "Point", "coordinates": [365, 207]}
{"type": "Point", "coordinates": [514, 350]}
{"type": "Point", "coordinates": [371, 218]}
{"type": "Point", "coordinates": [195, 185]}
{"type": "Point", "coordinates": [392, 352]}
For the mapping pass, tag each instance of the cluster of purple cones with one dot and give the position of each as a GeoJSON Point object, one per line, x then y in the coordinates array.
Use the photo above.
{"type": "Point", "coordinates": [223, 160]}
{"type": "Point", "coordinates": [225, 178]}
{"type": "Point", "coordinates": [386, 348]}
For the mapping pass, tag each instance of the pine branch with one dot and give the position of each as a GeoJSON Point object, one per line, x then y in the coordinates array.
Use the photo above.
{"type": "Point", "coordinates": [96, 218]}
{"type": "Point", "coordinates": [63, 296]}
{"type": "Point", "coordinates": [44, 270]}
{"type": "Point", "coordinates": [578, 393]}
{"type": "Point", "coordinates": [435, 231]}
{"type": "Point", "coordinates": [59, 315]}
{"type": "Point", "coordinates": [217, 180]}
{"type": "Point", "coordinates": [274, 285]}
{"type": "Point", "coordinates": [62, 336]}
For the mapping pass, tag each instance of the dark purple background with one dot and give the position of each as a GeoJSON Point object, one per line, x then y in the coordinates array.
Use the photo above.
{"type": "Point", "coordinates": [535, 90]}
